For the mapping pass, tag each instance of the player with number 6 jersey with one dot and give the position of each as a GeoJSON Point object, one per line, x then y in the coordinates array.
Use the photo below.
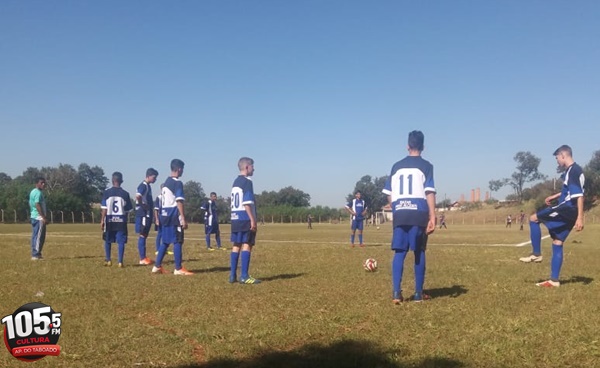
{"type": "Point", "coordinates": [115, 206]}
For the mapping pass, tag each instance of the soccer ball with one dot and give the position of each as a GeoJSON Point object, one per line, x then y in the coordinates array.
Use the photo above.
{"type": "Point", "coordinates": [377, 227]}
{"type": "Point", "coordinates": [370, 265]}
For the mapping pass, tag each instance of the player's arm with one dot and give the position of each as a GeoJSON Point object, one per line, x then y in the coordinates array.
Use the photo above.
{"type": "Point", "coordinates": [38, 206]}
{"type": "Point", "coordinates": [350, 210]}
{"type": "Point", "coordinates": [549, 199]}
{"type": "Point", "coordinates": [103, 218]}
{"type": "Point", "coordinates": [431, 205]}
{"type": "Point", "coordinates": [182, 221]}
{"type": "Point", "coordinates": [250, 213]}
{"type": "Point", "coordinates": [579, 221]}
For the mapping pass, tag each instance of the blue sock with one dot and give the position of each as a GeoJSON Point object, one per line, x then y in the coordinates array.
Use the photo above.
{"type": "Point", "coordinates": [557, 260]}
{"type": "Point", "coordinates": [419, 270]}
{"type": "Point", "coordinates": [121, 252]}
{"type": "Point", "coordinates": [107, 246]}
{"type": "Point", "coordinates": [352, 239]}
{"type": "Point", "coordinates": [142, 247]}
{"type": "Point", "coordinates": [158, 239]}
{"type": "Point", "coordinates": [161, 254]}
{"type": "Point", "coordinates": [535, 232]}
{"type": "Point", "coordinates": [178, 255]}
{"type": "Point", "coordinates": [218, 240]}
{"type": "Point", "coordinates": [398, 269]}
{"type": "Point", "coordinates": [360, 238]}
{"type": "Point", "coordinates": [207, 241]}
{"type": "Point", "coordinates": [245, 264]}
{"type": "Point", "coordinates": [234, 257]}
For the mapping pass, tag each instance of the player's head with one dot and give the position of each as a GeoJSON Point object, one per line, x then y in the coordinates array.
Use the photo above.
{"type": "Point", "coordinates": [213, 196]}
{"type": "Point", "coordinates": [246, 166]}
{"type": "Point", "coordinates": [564, 155]}
{"type": "Point", "coordinates": [40, 182]}
{"type": "Point", "coordinates": [151, 175]}
{"type": "Point", "coordinates": [416, 141]}
{"type": "Point", "coordinates": [117, 179]}
{"type": "Point", "coordinates": [357, 194]}
{"type": "Point", "coordinates": [177, 167]}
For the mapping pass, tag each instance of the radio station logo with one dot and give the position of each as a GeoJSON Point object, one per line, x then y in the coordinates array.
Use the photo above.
{"type": "Point", "coordinates": [32, 332]}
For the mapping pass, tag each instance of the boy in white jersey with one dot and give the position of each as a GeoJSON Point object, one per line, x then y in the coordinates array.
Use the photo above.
{"type": "Point", "coordinates": [411, 194]}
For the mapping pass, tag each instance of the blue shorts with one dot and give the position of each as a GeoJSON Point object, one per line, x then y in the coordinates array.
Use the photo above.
{"type": "Point", "coordinates": [214, 229]}
{"type": "Point", "coordinates": [118, 236]}
{"type": "Point", "coordinates": [559, 220]}
{"type": "Point", "coordinates": [172, 234]}
{"type": "Point", "coordinates": [143, 225]}
{"type": "Point", "coordinates": [409, 237]}
{"type": "Point", "coordinates": [244, 237]}
{"type": "Point", "coordinates": [357, 224]}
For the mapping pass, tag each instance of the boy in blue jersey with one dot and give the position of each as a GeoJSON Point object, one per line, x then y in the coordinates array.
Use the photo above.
{"type": "Point", "coordinates": [561, 218]}
{"type": "Point", "coordinates": [172, 220]}
{"type": "Point", "coordinates": [243, 221]}
{"type": "Point", "coordinates": [211, 221]}
{"type": "Point", "coordinates": [144, 213]}
{"type": "Point", "coordinates": [115, 205]}
{"type": "Point", "coordinates": [358, 209]}
{"type": "Point", "coordinates": [37, 207]}
{"type": "Point", "coordinates": [411, 194]}
{"type": "Point", "coordinates": [157, 227]}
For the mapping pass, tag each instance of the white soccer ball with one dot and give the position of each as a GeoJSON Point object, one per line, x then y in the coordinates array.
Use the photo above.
{"type": "Point", "coordinates": [370, 265]}
{"type": "Point", "coordinates": [377, 227]}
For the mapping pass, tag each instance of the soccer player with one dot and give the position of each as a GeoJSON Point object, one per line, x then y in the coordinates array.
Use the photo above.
{"type": "Point", "coordinates": [411, 194]}
{"type": "Point", "coordinates": [37, 208]}
{"type": "Point", "coordinates": [157, 228]}
{"type": "Point", "coordinates": [243, 222]}
{"type": "Point", "coordinates": [172, 220]}
{"type": "Point", "coordinates": [115, 205]}
{"type": "Point", "coordinates": [309, 219]}
{"type": "Point", "coordinates": [144, 213]}
{"type": "Point", "coordinates": [560, 218]}
{"type": "Point", "coordinates": [211, 221]}
{"type": "Point", "coordinates": [521, 220]}
{"type": "Point", "coordinates": [443, 221]}
{"type": "Point", "coordinates": [358, 209]}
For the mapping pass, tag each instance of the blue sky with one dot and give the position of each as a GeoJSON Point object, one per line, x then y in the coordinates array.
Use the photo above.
{"type": "Point", "coordinates": [319, 93]}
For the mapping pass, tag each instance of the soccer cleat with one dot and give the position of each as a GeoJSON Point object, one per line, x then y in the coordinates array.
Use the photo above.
{"type": "Point", "coordinates": [107, 263]}
{"type": "Point", "coordinates": [210, 249]}
{"type": "Point", "coordinates": [170, 252]}
{"type": "Point", "coordinates": [120, 265]}
{"type": "Point", "coordinates": [548, 284]}
{"type": "Point", "coordinates": [146, 261]}
{"type": "Point", "coordinates": [531, 258]}
{"type": "Point", "coordinates": [232, 279]}
{"type": "Point", "coordinates": [362, 245]}
{"type": "Point", "coordinates": [419, 297]}
{"type": "Point", "coordinates": [183, 272]}
{"type": "Point", "coordinates": [36, 258]}
{"type": "Point", "coordinates": [222, 248]}
{"type": "Point", "coordinates": [159, 270]}
{"type": "Point", "coordinates": [249, 280]}
{"type": "Point", "coordinates": [397, 297]}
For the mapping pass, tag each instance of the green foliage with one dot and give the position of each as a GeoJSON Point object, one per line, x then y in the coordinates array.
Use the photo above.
{"type": "Point", "coordinates": [592, 180]}
{"type": "Point", "coordinates": [194, 198]}
{"type": "Point", "coordinates": [288, 196]}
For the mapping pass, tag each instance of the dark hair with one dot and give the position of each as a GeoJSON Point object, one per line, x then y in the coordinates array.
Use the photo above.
{"type": "Point", "coordinates": [357, 192]}
{"type": "Point", "coordinates": [118, 177]}
{"type": "Point", "coordinates": [416, 140]}
{"type": "Point", "coordinates": [176, 164]}
{"type": "Point", "coordinates": [563, 148]}
{"type": "Point", "coordinates": [40, 178]}
{"type": "Point", "coordinates": [151, 172]}
{"type": "Point", "coordinates": [211, 193]}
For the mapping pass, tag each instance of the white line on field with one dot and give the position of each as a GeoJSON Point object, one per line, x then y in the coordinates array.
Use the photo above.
{"type": "Point", "coordinates": [529, 242]}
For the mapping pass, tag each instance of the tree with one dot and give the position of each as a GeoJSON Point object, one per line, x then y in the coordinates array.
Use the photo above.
{"type": "Point", "coordinates": [496, 185]}
{"type": "Point", "coordinates": [592, 179]}
{"type": "Point", "coordinates": [194, 197]}
{"type": "Point", "coordinates": [290, 196]}
{"type": "Point", "coordinates": [371, 191]}
{"type": "Point", "coordinates": [527, 171]}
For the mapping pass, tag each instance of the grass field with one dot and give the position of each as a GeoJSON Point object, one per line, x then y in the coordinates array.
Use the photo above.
{"type": "Point", "coordinates": [317, 307]}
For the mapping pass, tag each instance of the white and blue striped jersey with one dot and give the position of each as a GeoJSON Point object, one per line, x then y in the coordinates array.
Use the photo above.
{"type": "Point", "coordinates": [172, 192]}
{"type": "Point", "coordinates": [117, 203]}
{"type": "Point", "coordinates": [358, 206]}
{"type": "Point", "coordinates": [242, 193]}
{"type": "Point", "coordinates": [573, 182]}
{"type": "Point", "coordinates": [158, 204]}
{"type": "Point", "coordinates": [144, 190]}
{"type": "Point", "coordinates": [410, 180]}
{"type": "Point", "coordinates": [210, 212]}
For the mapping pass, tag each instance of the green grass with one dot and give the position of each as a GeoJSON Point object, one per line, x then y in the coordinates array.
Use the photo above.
{"type": "Point", "coordinates": [317, 307]}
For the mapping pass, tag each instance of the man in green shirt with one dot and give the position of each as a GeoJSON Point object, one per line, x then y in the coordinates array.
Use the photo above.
{"type": "Point", "coordinates": [37, 205]}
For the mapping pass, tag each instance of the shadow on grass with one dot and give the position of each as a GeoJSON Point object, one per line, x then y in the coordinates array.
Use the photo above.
{"type": "Point", "coordinates": [283, 276]}
{"type": "Point", "coordinates": [76, 257]}
{"type": "Point", "coordinates": [582, 279]}
{"type": "Point", "coordinates": [346, 353]}
{"type": "Point", "coordinates": [453, 292]}
{"type": "Point", "coordinates": [212, 269]}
